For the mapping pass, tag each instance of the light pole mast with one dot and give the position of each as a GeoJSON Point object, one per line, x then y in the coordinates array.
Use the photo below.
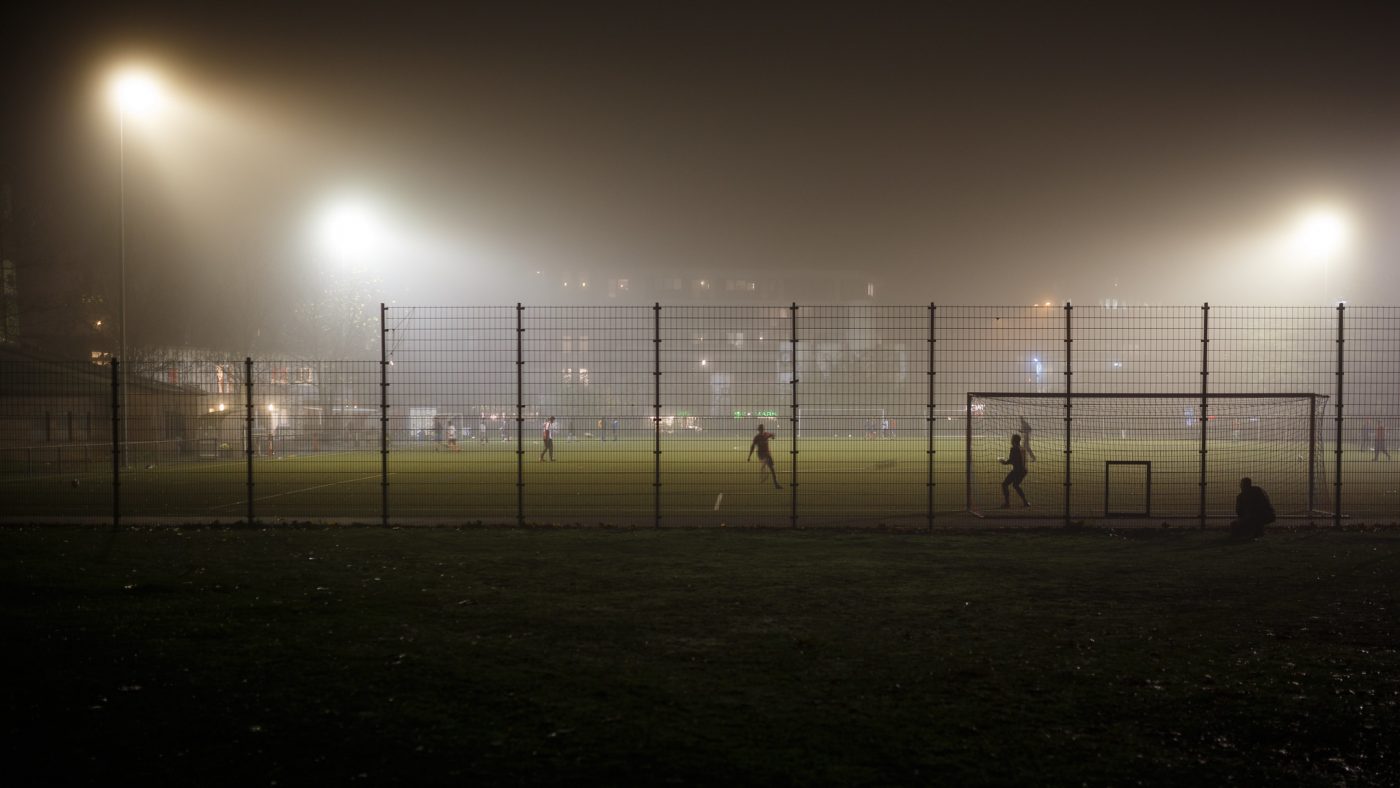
{"type": "Point", "coordinates": [133, 91]}
{"type": "Point", "coordinates": [121, 256]}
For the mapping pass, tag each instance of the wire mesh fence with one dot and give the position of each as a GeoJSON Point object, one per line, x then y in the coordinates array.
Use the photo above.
{"type": "Point", "coordinates": [678, 416]}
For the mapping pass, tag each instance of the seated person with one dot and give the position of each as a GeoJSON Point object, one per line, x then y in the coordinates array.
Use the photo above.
{"type": "Point", "coordinates": [1253, 509]}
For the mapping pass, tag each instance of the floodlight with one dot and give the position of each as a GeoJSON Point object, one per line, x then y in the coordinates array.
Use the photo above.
{"type": "Point", "coordinates": [349, 230]}
{"type": "Point", "coordinates": [1321, 232]}
{"type": "Point", "coordinates": [136, 93]}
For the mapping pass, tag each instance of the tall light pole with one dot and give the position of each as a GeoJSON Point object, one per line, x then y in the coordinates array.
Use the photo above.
{"type": "Point", "coordinates": [134, 93]}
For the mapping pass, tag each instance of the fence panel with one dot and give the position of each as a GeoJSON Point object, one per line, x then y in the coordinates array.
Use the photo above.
{"type": "Point", "coordinates": [1276, 350]}
{"type": "Point", "coordinates": [55, 438]}
{"type": "Point", "coordinates": [1009, 349]}
{"type": "Point", "coordinates": [589, 368]}
{"type": "Point", "coordinates": [863, 406]}
{"type": "Point", "coordinates": [1137, 350]}
{"type": "Point", "coordinates": [316, 444]}
{"type": "Point", "coordinates": [1371, 478]}
{"type": "Point", "coordinates": [452, 408]}
{"type": "Point", "coordinates": [725, 371]}
{"type": "Point", "coordinates": [185, 426]}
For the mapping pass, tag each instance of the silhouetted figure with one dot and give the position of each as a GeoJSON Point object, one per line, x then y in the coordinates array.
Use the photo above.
{"type": "Point", "coordinates": [1380, 443]}
{"type": "Point", "coordinates": [1026, 439]}
{"type": "Point", "coordinates": [765, 457]}
{"type": "Point", "coordinates": [1253, 509]}
{"type": "Point", "coordinates": [1017, 460]}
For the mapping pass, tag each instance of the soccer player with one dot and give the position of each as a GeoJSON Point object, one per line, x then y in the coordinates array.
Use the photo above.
{"type": "Point", "coordinates": [1253, 509]}
{"type": "Point", "coordinates": [484, 438]}
{"type": "Point", "coordinates": [1017, 460]}
{"type": "Point", "coordinates": [1380, 443]}
{"type": "Point", "coordinates": [548, 435]}
{"type": "Point", "coordinates": [765, 458]}
{"type": "Point", "coordinates": [452, 437]}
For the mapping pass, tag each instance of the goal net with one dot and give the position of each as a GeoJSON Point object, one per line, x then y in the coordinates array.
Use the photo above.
{"type": "Point", "coordinates": [824, 421]}
{"type": "Point", "coordinates": [1140, 454]}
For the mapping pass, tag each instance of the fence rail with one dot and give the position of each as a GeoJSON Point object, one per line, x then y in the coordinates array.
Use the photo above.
{"type": "Point", "coordinates": [878, 416]}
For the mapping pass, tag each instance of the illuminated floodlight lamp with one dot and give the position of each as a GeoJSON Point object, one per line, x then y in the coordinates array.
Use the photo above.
{"type": "Point", "coordinates": [136, 93]}
{"type": "Point", "coordinates": [1321, 233]}
{"type": "Point", "coordinates": [349, 231]}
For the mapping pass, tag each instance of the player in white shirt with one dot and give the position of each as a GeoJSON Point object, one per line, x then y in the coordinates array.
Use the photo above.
{"type": "Point", "coordinates": [548, 434]}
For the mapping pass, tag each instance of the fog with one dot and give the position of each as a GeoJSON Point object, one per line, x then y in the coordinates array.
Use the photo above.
{"type": "Point", "coordinates": [1155, 155]}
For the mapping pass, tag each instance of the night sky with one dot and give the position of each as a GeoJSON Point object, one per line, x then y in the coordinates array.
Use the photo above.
{"type": "Point", "coordinates": [977, 153]}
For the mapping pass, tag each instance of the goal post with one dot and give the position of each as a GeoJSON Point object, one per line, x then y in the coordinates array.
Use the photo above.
{"type": "Point", "coordinates": [1148, 450]}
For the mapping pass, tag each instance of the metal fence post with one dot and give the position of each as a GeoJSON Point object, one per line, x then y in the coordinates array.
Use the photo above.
{"type": "Point", "coordinates": [116, 443]}
{"type": "Point", "coordinates": [1341, 375]}
{"type": "Point", "coordinates": [932, 344]}
{"type": "Point", "coordinates": [519, 414]}
{"type": "Point", "coordinates": [656, 416]}
{"type": "Point", "coordinates": [383, 415]}
{"type": "Point", "coordinates": [792, 477]}
{"type": "Point", "coordinates": [967, 453]}
{"type": "Point", "coordinates": [1312, 454]}
{"type": "Point", "coordinates": [248, 432]}
{"type": "Point", "coordinates": [1069, 404]}
{"type": "Point", "coordinates": [1205, 406]}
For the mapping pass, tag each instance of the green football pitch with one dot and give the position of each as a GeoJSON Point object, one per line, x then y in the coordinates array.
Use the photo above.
{"type": "Point", "coordinates": [704, 481]}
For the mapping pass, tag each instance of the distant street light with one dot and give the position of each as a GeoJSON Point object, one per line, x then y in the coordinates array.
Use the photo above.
{"type": "Point", "coordinates": [1320, 235]}
{"type": "Point", "coordinates": [136, 94]}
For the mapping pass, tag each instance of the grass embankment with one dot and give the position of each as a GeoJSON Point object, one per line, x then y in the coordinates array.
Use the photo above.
{"type": "Point", "coordinates": [315, 655]}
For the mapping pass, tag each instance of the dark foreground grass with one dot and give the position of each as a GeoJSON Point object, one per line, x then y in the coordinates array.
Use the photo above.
{"type": "Point", "coordinates": [311, 656]}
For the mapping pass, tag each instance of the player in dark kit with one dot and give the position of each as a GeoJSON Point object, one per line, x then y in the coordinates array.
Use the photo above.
{"type": "Point", "coordinates": [760, 442]}
{"type": "Point", "coordinates": [1017, 460]}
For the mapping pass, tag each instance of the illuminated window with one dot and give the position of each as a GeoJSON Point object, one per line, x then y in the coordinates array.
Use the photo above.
{"type": "Point", "coordinates": [870, 289]}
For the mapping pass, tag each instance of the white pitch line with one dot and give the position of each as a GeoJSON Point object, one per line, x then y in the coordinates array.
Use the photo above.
{"type": "Point", "coordinates": [718, 498]}
{"type": "Point", "coordinates": [294, 492]}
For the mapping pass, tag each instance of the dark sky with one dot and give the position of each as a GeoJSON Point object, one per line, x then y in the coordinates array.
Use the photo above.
{"type": "Point", "coordinates": [969, 153]}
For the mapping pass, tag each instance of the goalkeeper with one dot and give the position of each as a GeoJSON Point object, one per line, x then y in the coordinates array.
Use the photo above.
{"type": "Point", "coordinates": [1017, 460]}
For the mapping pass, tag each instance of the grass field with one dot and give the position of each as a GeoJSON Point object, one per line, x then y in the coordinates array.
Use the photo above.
{"type": "Point", "coordinates": [313, 655]}
{"type": "Point", "coordinates": [704, 481]}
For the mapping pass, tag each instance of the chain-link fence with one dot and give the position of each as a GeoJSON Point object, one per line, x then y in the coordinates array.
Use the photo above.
{"type": "Point", "coordinates": [870, 416]}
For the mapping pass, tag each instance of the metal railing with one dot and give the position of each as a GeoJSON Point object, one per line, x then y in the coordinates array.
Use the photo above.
{"type": "Point", "coordinates": [655, 409]}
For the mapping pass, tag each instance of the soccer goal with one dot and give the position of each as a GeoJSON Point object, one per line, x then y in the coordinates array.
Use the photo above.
{"type": "Point", "coordinates": [826, 421]}
{"type": "Point", "coordinates": [1141, 454]}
